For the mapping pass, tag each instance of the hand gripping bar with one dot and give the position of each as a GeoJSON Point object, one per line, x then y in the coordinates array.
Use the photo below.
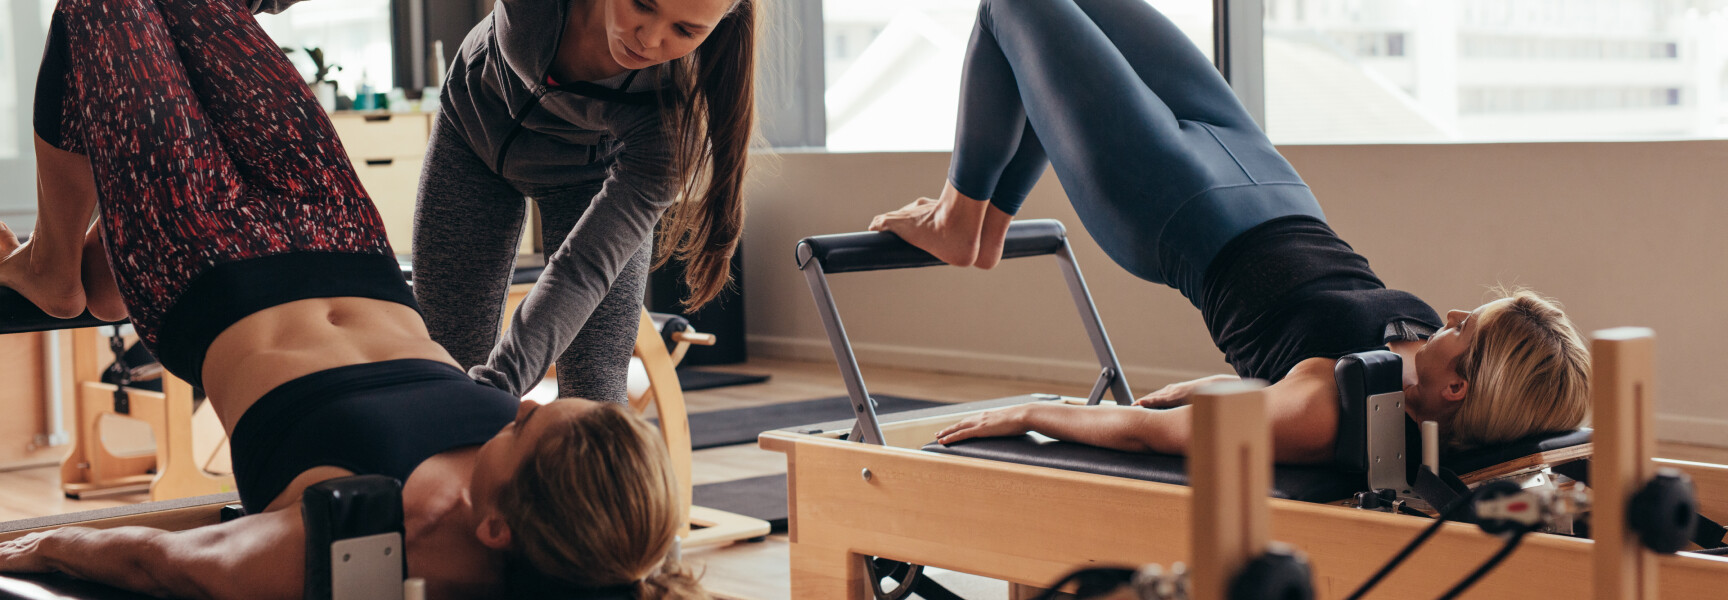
{"type": "Point", "coordinates": [879, 250]}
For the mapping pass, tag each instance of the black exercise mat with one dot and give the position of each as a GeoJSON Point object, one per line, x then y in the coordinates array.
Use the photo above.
{"type": "Point", "coordinates": [757, 497]}
{"type": "Point", "coordinates": [741, 425]}
{"type": "Point", "coordinates": [698, 379]}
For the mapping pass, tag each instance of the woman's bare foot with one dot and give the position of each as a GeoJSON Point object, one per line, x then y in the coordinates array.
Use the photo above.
{"type": "Point", "coordinates": [100, 290]}
{"type": "Point", "coordinates": [947, 227]}
{"type": "Point", "coordinates": [990, 241]}
{"type": "Point", "coordinates": [48, 279]}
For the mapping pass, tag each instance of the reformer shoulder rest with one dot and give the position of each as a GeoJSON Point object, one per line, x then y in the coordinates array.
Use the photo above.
{"type": "Point", "coordinates": [1361, 378]}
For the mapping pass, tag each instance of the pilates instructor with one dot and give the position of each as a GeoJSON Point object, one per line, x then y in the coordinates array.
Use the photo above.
{"type": "Point", "coordinates": [617, 117]}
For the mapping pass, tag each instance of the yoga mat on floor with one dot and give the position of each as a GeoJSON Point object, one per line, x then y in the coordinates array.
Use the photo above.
{"type": "Point", "coordinates": [717, 428]}
{"type": "Point", "coordinates": [698, 379]}
{"type": "Point", "coordinates": [758, 497]}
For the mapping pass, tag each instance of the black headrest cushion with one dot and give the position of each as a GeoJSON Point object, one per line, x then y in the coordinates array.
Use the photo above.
{"type": "Point", "coordinates": [1359, 376]}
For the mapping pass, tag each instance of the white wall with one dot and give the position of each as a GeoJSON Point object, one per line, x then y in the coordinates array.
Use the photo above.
{"type": "Point", "coordinates": [1622, 233]}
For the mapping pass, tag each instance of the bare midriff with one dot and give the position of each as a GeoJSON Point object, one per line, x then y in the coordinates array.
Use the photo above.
{"type": "Point", "coordinates": [279, 344]}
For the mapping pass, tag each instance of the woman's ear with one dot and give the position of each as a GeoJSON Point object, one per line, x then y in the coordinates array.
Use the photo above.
{"type": "Point", "coordinates": [493, 532]}
{"type": "Point", "coordinates": [1455, 390]}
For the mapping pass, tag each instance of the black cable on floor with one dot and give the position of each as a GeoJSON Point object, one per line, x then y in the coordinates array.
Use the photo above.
{"type": "Point", "coordinates": [1505, 551]}
{"type": "Point", "coordinates": [1450, 513]}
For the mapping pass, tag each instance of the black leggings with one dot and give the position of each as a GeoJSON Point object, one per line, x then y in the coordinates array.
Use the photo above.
{"type": "Point", "coordinates": [1161, 161]}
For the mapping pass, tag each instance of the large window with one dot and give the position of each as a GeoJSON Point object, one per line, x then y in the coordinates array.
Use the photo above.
{"type": "Point", "coordinates": [893, 67]}
{"type": "Point", "coordinates": [23, 27]}
{"type": "Point", "coordinates": [353, 34]}
{"type": "Point", "coordinates": [1495, 70]}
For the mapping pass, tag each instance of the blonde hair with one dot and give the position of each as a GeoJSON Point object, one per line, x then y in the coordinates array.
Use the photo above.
{"type": "Point", "coordinates": [596, 505]}
{"type": "Point", "coordinates": [1528, 372]}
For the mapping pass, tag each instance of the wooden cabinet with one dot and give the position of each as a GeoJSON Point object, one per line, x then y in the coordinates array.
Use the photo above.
{"type": "Point", "coordinates": [388, 150]}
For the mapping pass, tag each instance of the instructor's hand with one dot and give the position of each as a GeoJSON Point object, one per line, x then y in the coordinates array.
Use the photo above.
{"type": "Point", "coordinates": [996, 423]}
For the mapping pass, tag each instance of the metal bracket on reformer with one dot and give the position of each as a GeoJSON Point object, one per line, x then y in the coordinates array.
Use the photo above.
{"type": "Point", "coordinates": [873, 251]}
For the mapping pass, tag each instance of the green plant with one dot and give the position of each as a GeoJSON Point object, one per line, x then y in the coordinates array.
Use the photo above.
{"type": "Point", "coordinates": [320, 70]}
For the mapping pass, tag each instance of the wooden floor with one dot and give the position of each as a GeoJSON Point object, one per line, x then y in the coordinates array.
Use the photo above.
{"type": "Point", "coordinates": [756, 570]}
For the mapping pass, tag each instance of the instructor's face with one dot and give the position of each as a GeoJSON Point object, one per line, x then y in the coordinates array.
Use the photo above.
{"type": "Point", "coordinates": [644, 33]}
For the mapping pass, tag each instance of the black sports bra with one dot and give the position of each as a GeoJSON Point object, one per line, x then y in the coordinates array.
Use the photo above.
{"type": "Point", "coordinates": [1290, 290]}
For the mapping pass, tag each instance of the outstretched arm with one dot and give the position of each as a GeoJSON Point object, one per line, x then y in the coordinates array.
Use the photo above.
{"type": "Point", "coordinates": [639, 188]}
{"type": "Point", "coordinates": [1302, 407]}
{"type": "Point", "coordinates": [256, 557]}
{"type": "Point", "coordinates": [1116, 427]}
{"type": "Point", "coordinates": [1177, 394]}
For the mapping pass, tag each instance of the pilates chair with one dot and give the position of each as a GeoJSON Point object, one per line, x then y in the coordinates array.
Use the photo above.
{"type": "Point", "coordinates": [187, 441]}
{"type": "Point", "coordinates": [1372, 455]}
{"type": "Point", "coordinates": [661, 342]}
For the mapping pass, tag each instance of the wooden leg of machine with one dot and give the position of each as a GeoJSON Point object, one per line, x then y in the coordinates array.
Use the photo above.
{"type": "Point", "coordinates": [180, 472]}
{"type": "Point", "coordinates": [1230, 467]}
{"type": "Point", "coordinates": [819, 572]}
{"type": "Point", "coordinates": [711, 527]}
{"type": "Point", "coordinates": [1622, 397]}
{"type": "Point", "coordinates": [89, 467]}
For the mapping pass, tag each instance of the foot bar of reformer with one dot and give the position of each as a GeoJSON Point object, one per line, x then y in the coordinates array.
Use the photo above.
{"type": "Point", "coordinates": [875, 251]}
{"type": "Point", "coordinates": [19, 315]}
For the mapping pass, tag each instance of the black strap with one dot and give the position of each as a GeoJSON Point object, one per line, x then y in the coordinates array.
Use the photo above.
{"type": "Point", "coordinates": [1709, 534]}
{"type": "Point", "coordinates": [120, 372]}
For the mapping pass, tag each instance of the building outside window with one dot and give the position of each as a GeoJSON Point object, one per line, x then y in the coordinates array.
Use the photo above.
{"type": "Point", "coordinates": [1347, 71]}
{"type": "Point", "coordinates": [1495, 70]}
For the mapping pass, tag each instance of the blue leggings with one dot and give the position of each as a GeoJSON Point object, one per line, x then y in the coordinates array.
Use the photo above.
{"type": "Point", "coordinates": [1162, 163]}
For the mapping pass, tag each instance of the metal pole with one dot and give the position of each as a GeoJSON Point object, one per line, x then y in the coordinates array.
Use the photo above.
{"type": "Point", "coordinates": [1111, 377]}
{"type": "Point", "coordinates": [867, 429]}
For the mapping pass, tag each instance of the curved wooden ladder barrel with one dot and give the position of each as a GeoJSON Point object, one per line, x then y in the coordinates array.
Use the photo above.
{"type": "Point", "coordinates": [703, 526]}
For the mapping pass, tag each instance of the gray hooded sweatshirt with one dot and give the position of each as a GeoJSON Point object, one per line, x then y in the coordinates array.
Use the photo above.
{"type": "Point", "coordinates": [497, 95]}
{"type": "Point", "coordinates": [499, 98]}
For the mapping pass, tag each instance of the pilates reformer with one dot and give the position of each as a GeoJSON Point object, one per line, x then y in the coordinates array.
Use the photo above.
{"type": "Point", "coordinates": [654, 382]}
{"type": "Point", "coordinates": [943, 506]}
{"type": "Point", "coordinates": [1233, 560]}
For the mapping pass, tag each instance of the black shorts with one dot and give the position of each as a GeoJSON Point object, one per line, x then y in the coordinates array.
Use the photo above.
{"type": "Point", "coordinates": [381, 418]}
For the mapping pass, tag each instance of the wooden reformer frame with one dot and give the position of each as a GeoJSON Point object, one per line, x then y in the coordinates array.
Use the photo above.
{"type": "Point", "coordinates": [1029, 525]}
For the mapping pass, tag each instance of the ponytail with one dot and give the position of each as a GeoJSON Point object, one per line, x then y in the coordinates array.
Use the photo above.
{"type": "Point", "coordinates": [672, 581]}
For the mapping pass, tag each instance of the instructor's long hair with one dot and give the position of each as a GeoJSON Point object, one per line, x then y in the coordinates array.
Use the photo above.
{"type": "Point", "coordinates": [710, 115]}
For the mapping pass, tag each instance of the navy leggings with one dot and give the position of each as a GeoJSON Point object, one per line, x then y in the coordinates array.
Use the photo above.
{"type": "Point", "coordinates": [1162, 163]}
